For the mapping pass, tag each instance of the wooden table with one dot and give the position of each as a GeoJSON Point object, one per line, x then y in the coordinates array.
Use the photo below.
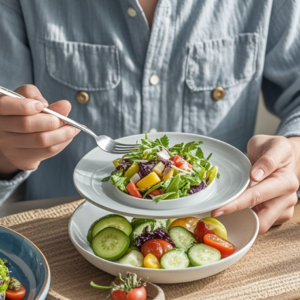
{"type": "Point", "coordinates": [14, 208]}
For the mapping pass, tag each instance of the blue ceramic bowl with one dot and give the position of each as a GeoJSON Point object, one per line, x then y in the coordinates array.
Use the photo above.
{"type": "Point", "coordinates": [27, 263]}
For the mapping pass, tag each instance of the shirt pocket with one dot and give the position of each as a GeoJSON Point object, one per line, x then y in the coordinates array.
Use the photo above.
{"type": "Point", "coordinates": [83, 66]}
{"type": "Point", "coordinates": [227, 63]}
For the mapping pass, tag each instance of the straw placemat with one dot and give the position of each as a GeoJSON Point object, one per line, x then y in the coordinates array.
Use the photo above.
{"type": "Point", "coordinates": [270, 270]}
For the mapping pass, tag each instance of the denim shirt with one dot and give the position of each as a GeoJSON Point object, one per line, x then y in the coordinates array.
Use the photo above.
{"type": "Point", "coordinates": [164, 78]}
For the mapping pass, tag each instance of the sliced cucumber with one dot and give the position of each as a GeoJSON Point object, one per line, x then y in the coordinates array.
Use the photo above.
{"type": "Point", "coordinates": [202, 254]}
{"type": "Point", "coordinates": [133, 258]}
{"type": "Point", "coordinates": [111, 220]}
{"type": "Point", "coordinates": [182, 238]}
{"type": "Point", "coordinates": [138, 230]}
{"type": "Point", "coordinates": [110, 243]}
{"type": "Point", "coordinates": [174, 259]}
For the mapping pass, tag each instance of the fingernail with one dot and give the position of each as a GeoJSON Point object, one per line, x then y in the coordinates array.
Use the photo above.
{"type": "Point", "coordinates": [219, 213]}
{"type": "Point", "coordinates": [39, 106]}
{"type": "Point", "coordinates": [258, 174]}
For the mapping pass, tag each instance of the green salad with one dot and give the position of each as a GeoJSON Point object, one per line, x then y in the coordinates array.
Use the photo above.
{"type": "Point", "coordinates": [157, 171]}
{"type": "Point", "coordinates": [4, 279]}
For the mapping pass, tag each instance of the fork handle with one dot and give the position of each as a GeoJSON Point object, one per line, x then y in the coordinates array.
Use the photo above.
{"type": "Point", "coordinates": [10, 93]}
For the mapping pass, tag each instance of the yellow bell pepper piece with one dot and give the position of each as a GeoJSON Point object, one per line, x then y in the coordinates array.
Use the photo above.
{"type": "Point", "coordinates": [150, 261]}
{"type": "Point", "coordinates": [168, 175]}
{"type": "Point", "coordinates": [211, 174]}
{"type": "Point", "coordinates": [148, 181]}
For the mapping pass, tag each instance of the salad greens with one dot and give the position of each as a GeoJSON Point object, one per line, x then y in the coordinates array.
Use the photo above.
{"type": "Point", "coordinates": [157, 171]}
{"type": "Point", "coordinates": [4, 279]}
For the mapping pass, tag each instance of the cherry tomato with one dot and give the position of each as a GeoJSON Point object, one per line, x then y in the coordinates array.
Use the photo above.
{"type": "Point", "coordinates": [201, 230]}
{"type": "Point", "coordinates": [135, 294]}
{"type": "Point", "coordinates": [150, 261]}
{"type": "Point", "coordinates": [154, 247]}
{"type": "Point", "coordinates": [188, 223]}
{"type": "Point", "coordinates": [165, 245]}
{"type": "Point", "coordinates": [216, 226]}
{"type": "Point", "coordinates": [16, 295]}
{"type": "Point", "coordinates": [157, 247]}
{"type": "Point", "coordinates": [226, 248]}
{"type": "Point", "coordinates": [209, 225]}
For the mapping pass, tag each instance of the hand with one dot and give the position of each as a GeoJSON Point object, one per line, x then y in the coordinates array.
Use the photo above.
{"type": "Point", "coordinates": [274, 166]}
{"type": "Point", "coordinates": [28, 136]}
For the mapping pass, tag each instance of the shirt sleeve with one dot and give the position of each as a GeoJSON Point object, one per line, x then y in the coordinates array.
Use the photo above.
{"type": "Point", "coordinates": [15, 67]}
{"type": "Point", "coordinates": [281, 78]}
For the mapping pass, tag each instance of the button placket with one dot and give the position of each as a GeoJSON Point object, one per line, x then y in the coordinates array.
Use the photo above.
{"type": "Point", "coordinates": [156, 66]}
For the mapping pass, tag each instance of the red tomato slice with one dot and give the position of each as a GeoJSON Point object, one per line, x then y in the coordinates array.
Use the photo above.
{"type": "Point", "coordinates": [135, 294]}
{"type": "Point", "coordinates": [226, 248]}
{"type": "Point", "coordinates": [155, 193]}
{"type": "Point", "coordinates": [16, 295]}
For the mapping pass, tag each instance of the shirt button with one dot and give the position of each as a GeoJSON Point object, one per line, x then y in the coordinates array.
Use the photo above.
{"type": "Point", "coordinates": [154, 79]}
{"type": "Point", "coordinates": [82, 97]}
{"type": "Point", "coordinates": [218, 93]}
{"type": "Point", "coordinates": [131, 12]}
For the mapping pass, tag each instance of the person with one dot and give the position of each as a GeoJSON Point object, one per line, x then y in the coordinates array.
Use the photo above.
{"type": "Point", "coordinates": [129, 66]}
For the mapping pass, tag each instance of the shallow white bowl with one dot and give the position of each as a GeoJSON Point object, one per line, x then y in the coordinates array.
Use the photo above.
{"type": "Point", "coordinates": [242, 228]}
{"type": "Point", "coordinates": [234, 168]}
{"type": "Point", "coordinates": [164, 204]}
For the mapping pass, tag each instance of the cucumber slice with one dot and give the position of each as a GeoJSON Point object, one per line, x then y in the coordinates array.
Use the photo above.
{"type": "Point", "coordinates": [134, 258]}
{"type": "Point", "coordinates": [110, 243]}
{"type": "Point", "coordinates": [138, 230]}
{"type": "Point", "coordinates": [202, 254]}
{"type": "Point", "coordinates": [174, 259]}
{"type": "Point", "coordinates": [182, 238]}
{"type": "Point", "coordinates": [111, 220]}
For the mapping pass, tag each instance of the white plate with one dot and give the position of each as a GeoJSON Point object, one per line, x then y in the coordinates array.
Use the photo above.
{"type": "Point", "coordinates": [233, 165]}
{"type": "Point", "coordinates": [242, 228]}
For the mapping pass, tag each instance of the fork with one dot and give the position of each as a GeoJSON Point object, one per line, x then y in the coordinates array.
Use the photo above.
{"type": "Point", "coordinates": [104, 142]}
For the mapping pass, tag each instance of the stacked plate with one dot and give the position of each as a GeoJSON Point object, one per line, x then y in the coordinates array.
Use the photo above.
{"type": "Point", "coordinates": [103, 198]}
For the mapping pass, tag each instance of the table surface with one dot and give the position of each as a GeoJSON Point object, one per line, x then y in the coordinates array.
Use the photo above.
{"type": "Point", "coordinates": [14, 208]}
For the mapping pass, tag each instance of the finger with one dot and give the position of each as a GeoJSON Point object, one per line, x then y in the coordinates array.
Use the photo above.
{"type": "Point", "coordinates": [275, 211]}
{"type": "Point", "coordinates": [29, 159]}
{"type": "Point", "coordinates": [272, 158]}
{"type": "Point", "coordinates": [42, 139]}
{"type": "Point", "coordinates": [35, 123]}
{"type": "Point", "coordinates": [270, 188]}
{"type": "Point", "coordinates": [10, 106]}
{"type": "Point", "coordinates": [32, 92]}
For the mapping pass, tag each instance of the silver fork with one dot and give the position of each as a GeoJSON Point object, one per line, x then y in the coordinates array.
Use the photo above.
{"type": "Point", "coordinates": [104, 142]}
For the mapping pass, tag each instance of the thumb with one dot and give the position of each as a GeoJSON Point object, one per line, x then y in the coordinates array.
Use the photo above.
{"type": "Point", "coordinates": [272, 158]}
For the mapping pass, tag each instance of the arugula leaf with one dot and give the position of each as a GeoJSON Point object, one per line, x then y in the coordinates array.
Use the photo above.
{"type": "Point", "coordinates": [155, 187]}
{"type": "Point", "coordinates": [174, 184]}
{"type": "Point", "coordinates": [162, 196]}
{"type": "Point", "coordinates": [199, 153]}
{"type": "Point", "coordinates": [164, 141]}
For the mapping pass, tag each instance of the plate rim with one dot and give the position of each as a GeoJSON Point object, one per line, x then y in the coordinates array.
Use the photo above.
{"type": "Point", "coordinates": [166, 215]}
{"type": "Point", "coordinates": [48, 278]}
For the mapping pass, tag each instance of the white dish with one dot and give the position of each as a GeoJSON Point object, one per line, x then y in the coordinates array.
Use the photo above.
{"type": "Point", "coordinates": [242, 228]}
{"type": "Point", "coordinates": [233, 165]}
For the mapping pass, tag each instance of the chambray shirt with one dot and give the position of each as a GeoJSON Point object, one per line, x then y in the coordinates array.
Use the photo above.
{"type": "Point", "coordinates": [163, 78]}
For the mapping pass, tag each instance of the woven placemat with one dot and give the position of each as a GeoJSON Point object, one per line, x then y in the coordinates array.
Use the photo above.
{"type": "Point", "coordinates": [270, 270]}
